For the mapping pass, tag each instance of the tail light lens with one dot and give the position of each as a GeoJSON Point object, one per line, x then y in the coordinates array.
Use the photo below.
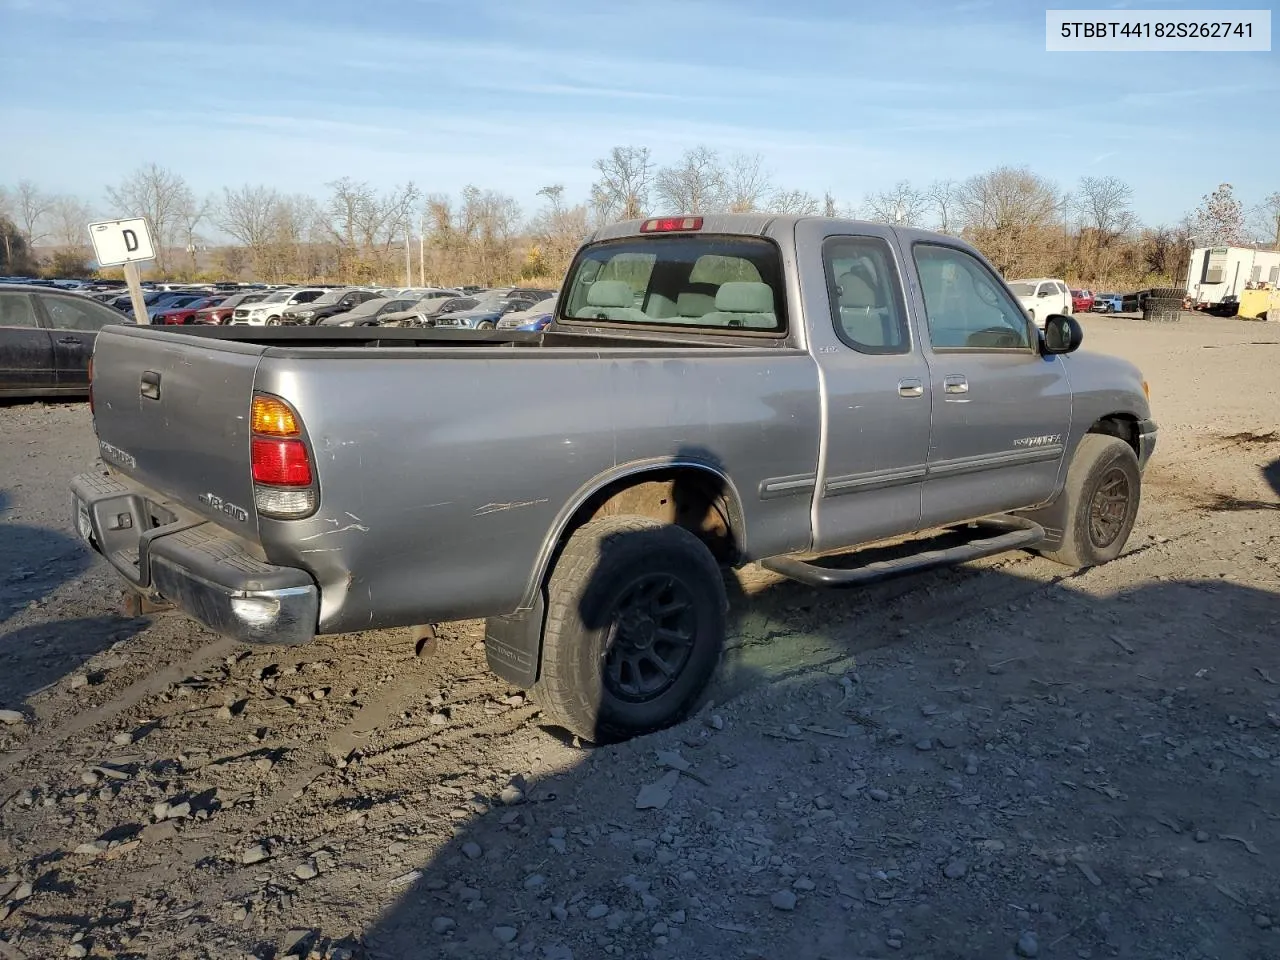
{"type": "Point", "coordinates": [284, 483]}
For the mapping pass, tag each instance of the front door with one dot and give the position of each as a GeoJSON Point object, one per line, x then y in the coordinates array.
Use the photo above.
{"type": "Point", "coordinates": [26, 353]}
{"type": "Point", "coordinates": [875, 386]}
{"type": "Point", "coordinates": [1001, 411]}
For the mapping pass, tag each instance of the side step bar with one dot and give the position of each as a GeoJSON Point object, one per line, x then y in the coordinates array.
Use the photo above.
{"type": "Point", "coordinates": [1010, 533]}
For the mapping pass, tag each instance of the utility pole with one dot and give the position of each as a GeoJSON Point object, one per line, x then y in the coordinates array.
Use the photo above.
{"type": "Point", "coordinates": [408, 261]}
{"type": "Point", "coordinates": [422, 251]}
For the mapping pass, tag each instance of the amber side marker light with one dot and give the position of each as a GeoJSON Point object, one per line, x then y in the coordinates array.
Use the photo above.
{"type": "Point", "coordinates": [272, 417]}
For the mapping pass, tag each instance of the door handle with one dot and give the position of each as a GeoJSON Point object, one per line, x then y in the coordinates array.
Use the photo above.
{"type": "Point", "coordinates": [149, 385]}
{"type": "Point", "coordinates": [910, 388]}
{"type": "Point", "coordinates": [69, 340]}
{"type": "Point", "coordinates": [955, 384]}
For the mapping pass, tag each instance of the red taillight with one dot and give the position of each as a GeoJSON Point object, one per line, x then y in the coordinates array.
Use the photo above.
{"type": "Point", "coordinates": [281, 463]}
{"type": "Point", "coordinates": [671, 224]}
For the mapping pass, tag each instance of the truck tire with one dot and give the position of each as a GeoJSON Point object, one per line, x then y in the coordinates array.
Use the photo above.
{"type": "Point", "coordinates": [1103, 490]}
{"type": "Point", "coordinates": [635, 625]}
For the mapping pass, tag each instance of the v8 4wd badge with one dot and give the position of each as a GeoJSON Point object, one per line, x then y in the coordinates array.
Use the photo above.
{"type": "Point", "coordinates": [214, 502]}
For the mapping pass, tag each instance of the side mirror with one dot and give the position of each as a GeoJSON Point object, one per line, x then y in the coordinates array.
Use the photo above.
{"type": "Point", "coordinates": [1062, 334]}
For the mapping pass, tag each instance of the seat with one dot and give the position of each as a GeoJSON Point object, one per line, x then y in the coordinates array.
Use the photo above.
{"type": "Point", "coordinates": [865, 316]}
{"type": "Point", "coordinates": [611, 300]}
{"type": "Point", "coordinates": [691, 305]}
{"type": "Point", "coordinates": [743, 303]}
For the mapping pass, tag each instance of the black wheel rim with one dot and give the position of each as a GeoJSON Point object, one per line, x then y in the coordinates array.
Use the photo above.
{"type": "Point", "coordinates": [1109, 508]}
{"type": "Point", "coordinates": [650, 638]}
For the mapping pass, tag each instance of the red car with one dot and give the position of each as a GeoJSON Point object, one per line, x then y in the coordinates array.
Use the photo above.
{"type": "Point", "coordinates": [186, 314]}
{"type": "Point", "coordinates": [1081, 301]}
{"type": "Point", "coordinates": [221, 312]}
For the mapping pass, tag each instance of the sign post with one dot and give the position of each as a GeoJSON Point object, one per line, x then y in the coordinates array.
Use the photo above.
{"type": "Point", "coordinates": [125, 242]}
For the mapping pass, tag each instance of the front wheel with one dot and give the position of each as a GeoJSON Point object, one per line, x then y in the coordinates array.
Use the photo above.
{"type": "Point", "coordinates": [635, 625]}
{"type": "Point", "coordinates": [485, 325]}
{"type": "Point", "coordinates": [1103, 490]}
{"type": "Point", "coordinates": [273, 321]}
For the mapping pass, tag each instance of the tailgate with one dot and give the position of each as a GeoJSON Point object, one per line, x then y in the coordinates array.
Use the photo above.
{"type": "Point", "coordinates": [172, 412]}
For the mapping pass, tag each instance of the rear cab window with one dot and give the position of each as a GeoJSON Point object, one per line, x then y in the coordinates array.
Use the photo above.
{"type": "Point", "coordinates": [706, 282]}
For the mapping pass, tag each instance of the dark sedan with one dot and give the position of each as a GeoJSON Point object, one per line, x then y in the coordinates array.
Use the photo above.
{"type": "Point", "coordinates": [46, 340]}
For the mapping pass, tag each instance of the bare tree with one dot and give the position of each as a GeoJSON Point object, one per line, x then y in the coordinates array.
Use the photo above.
{"type": "Point", "coordinates": [1008, 212]}
{"type": "Point", "coordinates": [795, 202]}
{"type": "Point", "coordinates": [903, 205]}
{"type": "Point", "coordinates": [694, 185]}
{"type": "Point", "coordinates": [158, 194]}
{"type": "Point", "coordinates": [1102, 203]}
{"type": "Point", "coordinates": [558, 229]}
{"type": "Point", "coordinates": [1266, 219]}
{"type": "Point", "coordinates": [248, 214]}
{"type": "Point", "coordinates": [397, 210]}
{"type": "Point", "coordinates": [746, 184]}
{"type": "Point", "coordinates": [190, 212]}
{"type": "Point", "coordinates": [942, 194]}
{"type": "Point", "coordinates": [622, 190]}
{"type": "Point", "coordinates": [70, 218]}
{"type": "Point", "coordinates": [33, 206]}
{"type": "Point", "coordinates": [1219, 220]}
{"type": "Point", "coordinates": [353, 212]}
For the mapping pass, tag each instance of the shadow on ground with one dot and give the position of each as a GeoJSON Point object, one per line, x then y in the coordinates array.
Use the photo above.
{"type": "Point", "coordinates": [1044, 756]}
{"type": "Point", "coordinates": [34, 563]}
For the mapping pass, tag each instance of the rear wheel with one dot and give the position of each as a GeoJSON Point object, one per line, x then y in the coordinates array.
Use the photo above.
{"type": "Point", "coordinates": [1103, 491]}
{"type": "Point", "coordinates": [635, 625]}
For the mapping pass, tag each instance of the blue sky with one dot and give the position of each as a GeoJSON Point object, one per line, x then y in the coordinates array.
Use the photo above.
{"type": "Point", "coordinates": [516, 94]}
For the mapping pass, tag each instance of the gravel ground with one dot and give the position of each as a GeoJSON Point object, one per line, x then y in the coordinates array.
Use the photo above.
{"type": "Point", "coordinates": [1000, 760]}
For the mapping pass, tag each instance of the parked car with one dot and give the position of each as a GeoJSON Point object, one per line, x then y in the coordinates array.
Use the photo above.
{"type": "Point", "coordinates": [535, 317]}
{"type": "Point", "coordinates": [1107, 303]}
{"type": "Point", "coordinates": [184, 300]}
{"type": "Point", "coordinates": [268, 310]}
{"type": "Point", "coordinates": [367, 313]}
{"type": "Point", "coordinates": [1081, 301]}
{"type": "Point", "coordinates": [186, 314]}
{"type": "Point", "coordinates": [1042, 297]}
{"type": "Point", "coordinates": [484, 316]}
{"type": "Point", "coordinates": [46, 339]}
{"type": "Point", "coordinates": [331, 302]}
{"type": "Point", "coordinates": [639, 451]}
{"type": "Point", "coordinates": [424, 312]}
{"type": "Point", "coordinates": [221, 313]}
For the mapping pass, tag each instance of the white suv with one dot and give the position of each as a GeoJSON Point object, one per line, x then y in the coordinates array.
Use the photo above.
{"type": "Point", "coordinates": [268, 310]}
{"type": "Point", "coordinates": [1042, 296]}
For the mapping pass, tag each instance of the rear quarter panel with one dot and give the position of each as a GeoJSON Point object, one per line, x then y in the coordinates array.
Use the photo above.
{"type": "Point", "coordinates": [442, 476]}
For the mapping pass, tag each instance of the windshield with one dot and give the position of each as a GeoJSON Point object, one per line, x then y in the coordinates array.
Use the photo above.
{"type": "Point", "coordinates": [1022, 289]}
{"type": "Point", "coordinates": [280, 296]}
{"type": "Point", "coordinates": [333, 296]}
{"type": "Point", "coordinates": [696, 280]}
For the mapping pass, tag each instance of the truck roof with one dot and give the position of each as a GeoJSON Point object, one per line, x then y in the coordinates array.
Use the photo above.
{"type": "Point", "coordinates": [765, 224]}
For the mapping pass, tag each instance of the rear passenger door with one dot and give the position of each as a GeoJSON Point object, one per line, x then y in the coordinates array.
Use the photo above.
{"type": "Point", "coordinates": [875, 385]}
{"type": "Point", "coordinates": [26, 351]}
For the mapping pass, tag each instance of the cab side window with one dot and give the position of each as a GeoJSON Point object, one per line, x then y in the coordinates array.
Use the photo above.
{"type": "Point", "coordinates": [865, 295]}
{"type": "Point", "coordinates": [965, 306]}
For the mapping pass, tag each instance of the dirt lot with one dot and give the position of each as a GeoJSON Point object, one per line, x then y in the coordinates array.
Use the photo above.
{"type": "Point", "coordinates": [993, 761]}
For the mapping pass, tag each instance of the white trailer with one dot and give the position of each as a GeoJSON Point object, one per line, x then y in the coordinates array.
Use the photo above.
{"type": "Point", "coordinates": [1216, 273]}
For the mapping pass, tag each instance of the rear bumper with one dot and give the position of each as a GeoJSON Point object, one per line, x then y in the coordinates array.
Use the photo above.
{"type": "Point", "coordinates": [1147, 431]}
{"type": "Point", "coordinates": [167, 553]}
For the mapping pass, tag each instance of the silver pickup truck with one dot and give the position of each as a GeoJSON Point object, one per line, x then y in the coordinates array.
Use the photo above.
{"type": "Point", "coordinates": [713, 391]}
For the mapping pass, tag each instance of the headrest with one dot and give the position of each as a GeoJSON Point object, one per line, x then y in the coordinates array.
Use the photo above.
{"type": "Point", "coordinates": [856, 293]}
{"type": "Point", "coordinates": [742, 296]}
{"type": "Point", "coordinates": [610, 293]}
{"type": "Point", "coordinates": [691, 304]}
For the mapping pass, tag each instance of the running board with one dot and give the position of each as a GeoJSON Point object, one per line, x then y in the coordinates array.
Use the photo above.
{"type": "Point", "coordinates": [1011, 533]}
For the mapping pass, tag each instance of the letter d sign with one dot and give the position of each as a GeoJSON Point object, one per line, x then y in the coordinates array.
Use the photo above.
{"type": "Point", "coordinates": [130, 240]}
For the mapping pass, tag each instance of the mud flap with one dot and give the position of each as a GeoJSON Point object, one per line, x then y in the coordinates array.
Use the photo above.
{"type": "Point", "coordinates": [513, 644]}
{"type": "Point", "coordinates": [1052, 519]}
